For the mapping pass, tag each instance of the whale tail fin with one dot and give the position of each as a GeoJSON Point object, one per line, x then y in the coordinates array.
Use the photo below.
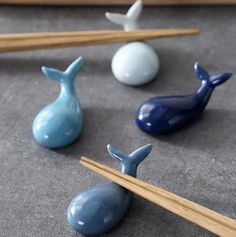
{"type": "Point", "coordinates": [128, 21]}
{"type": "Point", "coordinates": [68, 75]}
{"type": "Point", "coordinates": [215, 80]}
{"type": "Point", "coordinates": [130, 162]}
{"type": "Point", "coordinates": [53, 73]}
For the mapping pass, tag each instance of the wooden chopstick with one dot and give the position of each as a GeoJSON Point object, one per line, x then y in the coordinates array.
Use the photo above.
{"type": "Point", "coordinates": [200, 215]}
{"type": "Point", "coordinates": [46, 40]}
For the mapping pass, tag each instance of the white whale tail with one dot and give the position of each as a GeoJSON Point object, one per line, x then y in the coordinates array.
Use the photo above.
{"type": "Point", "coordinates": [130, 20]}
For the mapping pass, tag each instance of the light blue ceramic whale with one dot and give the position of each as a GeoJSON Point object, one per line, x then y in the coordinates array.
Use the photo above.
{"type": "Point", "coordinates": [99, 209]}
{"type": "Point", "coordinates": [135, 63]}
{"type": "Point", "coordinates": [59, 124]}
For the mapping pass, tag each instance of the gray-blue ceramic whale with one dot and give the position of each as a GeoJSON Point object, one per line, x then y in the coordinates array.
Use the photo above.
{"type": "Point", "coordinates": [135, 63]}
{"type": "Point", "coordinates": [59, 124]}
{"type": "Point", "coordinates": [100, 208]}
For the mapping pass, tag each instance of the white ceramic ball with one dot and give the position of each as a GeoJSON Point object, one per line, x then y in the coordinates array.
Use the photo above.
{"type": "Point", "coordinates": [135, 64]}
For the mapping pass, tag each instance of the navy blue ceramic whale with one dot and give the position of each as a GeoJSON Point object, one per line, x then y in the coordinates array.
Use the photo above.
{"type": "Point", "coordinates": [59, 124]}
{"type": "Point", "coordinates": [99, 209]}
{"type": "Point", "coordinates": [162, 115]}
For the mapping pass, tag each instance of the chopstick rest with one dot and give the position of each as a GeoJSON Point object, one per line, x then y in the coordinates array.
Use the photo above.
{"type": "Point", "coordinates": [99, 209]}
{"type": "Point", "coordinates": [59, 124]}
{"type": "Point", "coordinates": [135, 63]}
{"type": "Point", "coordinates": [161, 115]}
{"type": "Point", "coordinates": [208, 219]}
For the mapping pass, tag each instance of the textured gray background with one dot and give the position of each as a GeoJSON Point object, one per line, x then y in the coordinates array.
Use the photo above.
{"type": "Point", "coordinates": [37, 184]}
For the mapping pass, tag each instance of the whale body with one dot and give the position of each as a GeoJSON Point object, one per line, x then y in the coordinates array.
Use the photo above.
{"type": "Point", "coordinates": [135, 63]}
{"type": "Point", "coordinates": [100, 208]}
{"type": "Point", "coordinates": [162, 115]}
{"type": "Point", "coordinates": [60, 123]}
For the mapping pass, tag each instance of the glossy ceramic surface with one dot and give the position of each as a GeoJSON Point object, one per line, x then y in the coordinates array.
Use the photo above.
{"type": "Point", "coordinates": [135, 63]}
{"type": "Point", "coordinates": [142, 70]}
{"type": "Point", "coordinates": [100, 208]}
{"type": "Point", "coordinates": [129, 20]}
{"type": "Point", "coordinates": [59, 124]}
{"type": "Point", "coordinates": [161, 115]}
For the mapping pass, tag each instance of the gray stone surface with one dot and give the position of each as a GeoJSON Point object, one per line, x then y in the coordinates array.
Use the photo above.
{"type": "Point", "coordinates": [37, 184]}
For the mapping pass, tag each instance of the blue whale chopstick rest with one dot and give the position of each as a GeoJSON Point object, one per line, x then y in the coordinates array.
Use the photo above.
{"type": "Point", "coordinates": [100, 208]}
{"type": "Point", "coordinates": [162, 115]}
{"type": "Point", "coordinates": [135, 63]}
{"type": "Point", "coordinates": [59, 124]}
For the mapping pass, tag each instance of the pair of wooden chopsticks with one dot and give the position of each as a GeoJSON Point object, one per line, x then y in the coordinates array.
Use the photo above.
{"type": "Point", "coordinates": [202, 216]}
{"type": "Point", "coordinates": [46, 40]}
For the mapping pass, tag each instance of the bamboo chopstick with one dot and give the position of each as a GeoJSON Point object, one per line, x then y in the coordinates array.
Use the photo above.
{"type": "Point", "coordinates": [202, 216]}
{"type": "Point", "coordinates": [46, 40]}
